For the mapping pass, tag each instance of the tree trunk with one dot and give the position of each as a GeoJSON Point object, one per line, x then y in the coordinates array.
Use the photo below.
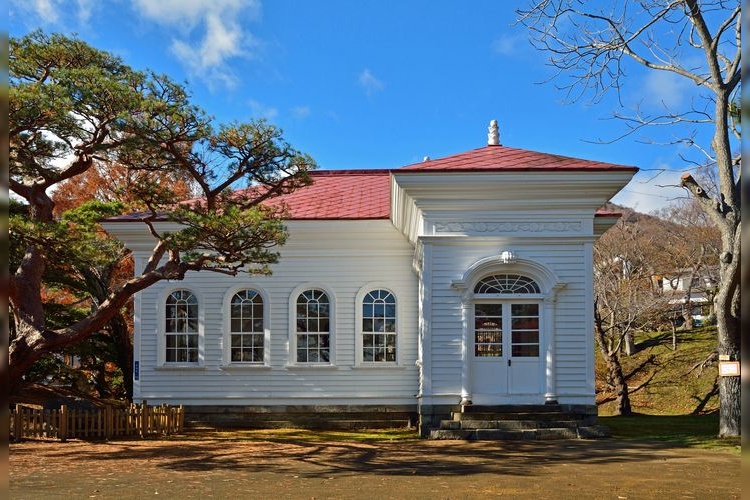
{"type": "Point", "coordinates": [726, 304]}
{"type": "Point", "coordinates": [124, 346]}
{"type": "Point", "coordinates": [621, 386]}
{"type": "Point", "coordinates": [31, 342]}
{"type": "Point", "coordinates": [727, 298]}
{"type": "Point", "coordinates": [629, 344]}
{"type": "Point", "coordinates": [614, 368]}
{"type": "Point", "coordinates": [687, 316]}
{"type": "Point", "coordinates": [23, 352]}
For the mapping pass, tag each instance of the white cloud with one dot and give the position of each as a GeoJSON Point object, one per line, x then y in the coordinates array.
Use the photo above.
{"type": "Point", "coordinates": [369, 82]}
{"type": "Point", "coordinates": [508, 44]}
{"type": "Point", "coordinates": [84, 10]}
{"type": "Point", "coordinates": [664, 88]}
{"type": "Point", "coordinates": [190, 13]}
{"type": "Point", "coordinates": [209, 33]}
{"type": "Point", "coordinates": [60, 14]}
{"type": "Point", "coordinates": [45, 11]}
{"type": "Point", "coordinates": [651, 190]}
{"type": "Point", "coordinates": [260, 110]}
{"type": "Point", "coordinates": [301, 112]}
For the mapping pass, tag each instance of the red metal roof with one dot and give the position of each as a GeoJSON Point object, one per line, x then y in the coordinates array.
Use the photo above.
{"type": "Point", "coordinates": [501, 158]}
{"type": "Point", "coordinates": [607, 213]}
{"type": "Point", "coordinates": [365, 194]}
{"type": "Point", "coordinates": [342, 194]}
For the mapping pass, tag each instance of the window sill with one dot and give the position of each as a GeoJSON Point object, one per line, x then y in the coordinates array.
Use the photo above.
{"type": "Point", "coordinates": [379, 366]}
{"type": "Point", "coordinates": [179, 367]}
{"type": "Point", "coordinates": [241, 367]}
{"type": "Point", "coordinates": [312, 367]}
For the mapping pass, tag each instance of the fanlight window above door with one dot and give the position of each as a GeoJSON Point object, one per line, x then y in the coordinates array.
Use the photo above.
{"type": "Point", "coordinates": [507, 284]}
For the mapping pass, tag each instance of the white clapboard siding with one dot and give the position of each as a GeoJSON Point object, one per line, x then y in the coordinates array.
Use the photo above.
{"type": "Point", "coordinates": [566, 259]}
{"type": "Point", "coordinates": [353, 255]}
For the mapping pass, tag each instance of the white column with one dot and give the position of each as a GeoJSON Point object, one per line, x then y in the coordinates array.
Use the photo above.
{"type": "Point", "coordinates": [466, 343]}
{"type": "Point", "coordinates": [425, 322]}
{"type": "Point", "coordinates": [550, 302]}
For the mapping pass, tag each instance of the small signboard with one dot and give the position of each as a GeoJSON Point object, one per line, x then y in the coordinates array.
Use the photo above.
{"type": "Point", "coordinates": [136, 370]}
{"type": "Point", "coordinates": [729, 368]}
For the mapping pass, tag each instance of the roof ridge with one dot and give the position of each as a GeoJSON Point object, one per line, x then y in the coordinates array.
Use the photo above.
{"type": "Point", "coordinates": [498, 158]}
{"type": "Point", "coordinates": [352, 171]}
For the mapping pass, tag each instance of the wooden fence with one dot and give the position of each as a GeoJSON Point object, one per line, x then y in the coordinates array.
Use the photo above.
{"type": "Point", "coordinates": [137, 420]}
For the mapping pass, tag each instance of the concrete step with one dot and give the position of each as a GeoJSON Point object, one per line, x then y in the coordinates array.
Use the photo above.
{"type": "Point", "coordinates": [509, 425]}
{"type": "Point", "coordinates": [532, 408]}
{"type": "Point", "coordinates": [509, 416]}
{"type": "Point", "coordinates": [526, 416]}
{"type": "Point", "coordinates": [585, 432]}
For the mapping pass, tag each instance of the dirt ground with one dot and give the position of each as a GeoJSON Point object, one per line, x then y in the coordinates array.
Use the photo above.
{"type": "Point", "coordinates": [218, 466]}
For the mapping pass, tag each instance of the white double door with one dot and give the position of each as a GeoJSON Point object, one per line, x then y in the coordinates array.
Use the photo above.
{"type": "Point", "coordinates": [505, 348]}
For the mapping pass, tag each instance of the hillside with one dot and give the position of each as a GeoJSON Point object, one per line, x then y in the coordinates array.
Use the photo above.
{"type": "Point", "coordinates": [668, 382]}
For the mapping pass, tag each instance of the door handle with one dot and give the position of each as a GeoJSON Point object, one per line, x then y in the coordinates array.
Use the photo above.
{"type": "Point", "coordinates": [509, 362]}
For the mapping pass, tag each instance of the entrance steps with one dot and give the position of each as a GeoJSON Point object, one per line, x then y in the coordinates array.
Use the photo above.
{"type": "Point", "coordinates": [514, 422]}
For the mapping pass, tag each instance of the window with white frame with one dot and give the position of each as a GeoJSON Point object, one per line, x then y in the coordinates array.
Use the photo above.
{"type": "Point", "coordinates": [506, 316]}
{"type": "Point", "coordinates": [181, 327]}
{"type": "Point", "coordinates": [246, 327]}
{"type": "Point", "coordinates": [313, 327]}
{"type": "Point", "coordinates": [379, 327]}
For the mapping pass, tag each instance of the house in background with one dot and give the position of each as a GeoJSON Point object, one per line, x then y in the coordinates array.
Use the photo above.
{"type": "Point", "coordinates": [691, 292]}
{"type": "Point", "coordinates": [455, 283]}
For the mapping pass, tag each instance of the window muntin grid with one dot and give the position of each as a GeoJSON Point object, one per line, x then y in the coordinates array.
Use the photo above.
{"type": "Point", "coordinates": [524, 330]}
{"type": "Point", "coordinates": [507, 284]}
{"type": "Point", "coordinates": [313, 327]}
{"type": "Point", "coordinates": [181, 327]}
{"type": "Point", "coordinates": [379, 327]}
{"type": "Point", "coordinates": [488, 330]}
{"type": "Point", "coordinates": [246, 327]}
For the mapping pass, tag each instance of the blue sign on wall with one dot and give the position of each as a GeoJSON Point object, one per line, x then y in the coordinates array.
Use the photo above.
{"type": "Point", "coordinates": [136, 369]}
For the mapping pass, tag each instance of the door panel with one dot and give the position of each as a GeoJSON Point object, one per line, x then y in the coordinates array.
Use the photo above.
{"type": "Point", "coordinates": [505, 355]}
{"type": "Point", "coordinates": [489, 374]}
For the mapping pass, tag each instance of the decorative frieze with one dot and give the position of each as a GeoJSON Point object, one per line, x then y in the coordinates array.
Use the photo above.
{"type": "Point", "coordinates": [507, 227]}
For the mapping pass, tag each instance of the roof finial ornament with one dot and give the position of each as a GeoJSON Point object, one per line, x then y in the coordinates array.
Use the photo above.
{"type": "Point", "coordinates": [493, 134]}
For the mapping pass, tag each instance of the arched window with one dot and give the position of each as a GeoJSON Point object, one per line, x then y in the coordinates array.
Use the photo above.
{"type": "Point", "coordinates": [379, 327]}
{"type": "Point", "coordinates": [246, 327]}
{"type": "Point", "coordinates": [181, 328]}
{"type": "Point", "coordinates": [313, 327]}
{"type": "Point", "coordinates": [507, 283]}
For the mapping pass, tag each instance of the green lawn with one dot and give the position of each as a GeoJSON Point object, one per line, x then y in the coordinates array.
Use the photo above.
{"type": "Point", "coordinates": [669, 382]}
{"type": "Point", "coordinates": [698, 431]}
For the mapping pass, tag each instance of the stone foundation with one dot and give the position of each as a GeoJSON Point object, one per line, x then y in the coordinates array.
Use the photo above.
{"type": "Point", "coordinates": [302, 416]}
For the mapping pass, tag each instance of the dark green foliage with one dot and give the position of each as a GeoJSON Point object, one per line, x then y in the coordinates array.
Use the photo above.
{"type": "Point", "coordinates": [73, 108]}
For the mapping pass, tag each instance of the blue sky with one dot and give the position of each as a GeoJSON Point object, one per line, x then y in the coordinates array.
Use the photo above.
{"type": "Point", "coordinates": [373, 83]}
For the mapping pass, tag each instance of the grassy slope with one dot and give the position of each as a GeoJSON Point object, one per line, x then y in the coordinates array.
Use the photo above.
{"type": "Point", "coordinates": [676, 388]}
{"type": "Point", "coordinates": [666, 405]}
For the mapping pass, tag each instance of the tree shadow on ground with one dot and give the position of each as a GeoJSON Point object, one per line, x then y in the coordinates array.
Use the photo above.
{"type": "Point", "coordinates": [330, 459]}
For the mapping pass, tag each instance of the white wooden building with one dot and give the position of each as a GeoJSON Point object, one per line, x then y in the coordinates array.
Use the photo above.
{"type": "Point", "coordinates": [460, 280]}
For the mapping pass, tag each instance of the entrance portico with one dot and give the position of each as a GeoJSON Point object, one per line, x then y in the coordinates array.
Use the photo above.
{"type": "Point", "coordinates": [508, 311]}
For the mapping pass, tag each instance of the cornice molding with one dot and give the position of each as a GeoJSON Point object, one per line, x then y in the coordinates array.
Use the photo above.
{"type": "Point", "coordinates": [508, 227]}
